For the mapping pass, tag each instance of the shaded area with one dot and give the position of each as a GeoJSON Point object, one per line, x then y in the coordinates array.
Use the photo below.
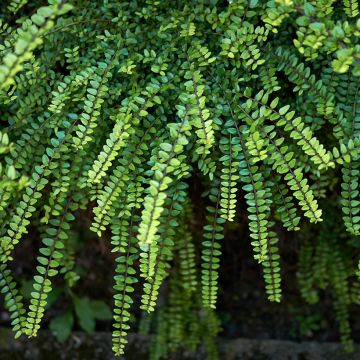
{"type": "Point", "coordinates": [98, 347]}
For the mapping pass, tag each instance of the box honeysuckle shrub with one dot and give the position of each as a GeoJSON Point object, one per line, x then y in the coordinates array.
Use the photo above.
{"type": "Point", "coordinates": [115, 106]}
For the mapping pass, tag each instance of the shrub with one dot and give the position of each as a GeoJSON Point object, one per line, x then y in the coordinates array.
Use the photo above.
{"type": "Point", "coordinates": [116, 106]}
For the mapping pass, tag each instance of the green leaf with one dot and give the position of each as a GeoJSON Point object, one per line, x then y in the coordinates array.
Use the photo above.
{"type": "Point", "coordinates": [101, 310]}
{"type": "Point", "coordinates": [85, 314]}
{"type": "Point", "coordinates": [61, 326]}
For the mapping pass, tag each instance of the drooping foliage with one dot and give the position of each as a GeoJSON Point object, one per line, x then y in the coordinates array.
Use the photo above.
{"type": "Point", "coordinates": [117, 106]}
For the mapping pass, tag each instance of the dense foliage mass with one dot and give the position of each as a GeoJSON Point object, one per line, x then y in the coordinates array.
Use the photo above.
{"type": "Point", "coordinates": [116, 106]}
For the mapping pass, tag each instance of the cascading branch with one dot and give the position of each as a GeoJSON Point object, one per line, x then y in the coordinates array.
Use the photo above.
{"type": "Point", "coordinates": [120, 109]}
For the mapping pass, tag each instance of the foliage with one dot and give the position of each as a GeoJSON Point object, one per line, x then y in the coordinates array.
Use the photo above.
{"type": "Point", "coordinates": [118, 107]}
